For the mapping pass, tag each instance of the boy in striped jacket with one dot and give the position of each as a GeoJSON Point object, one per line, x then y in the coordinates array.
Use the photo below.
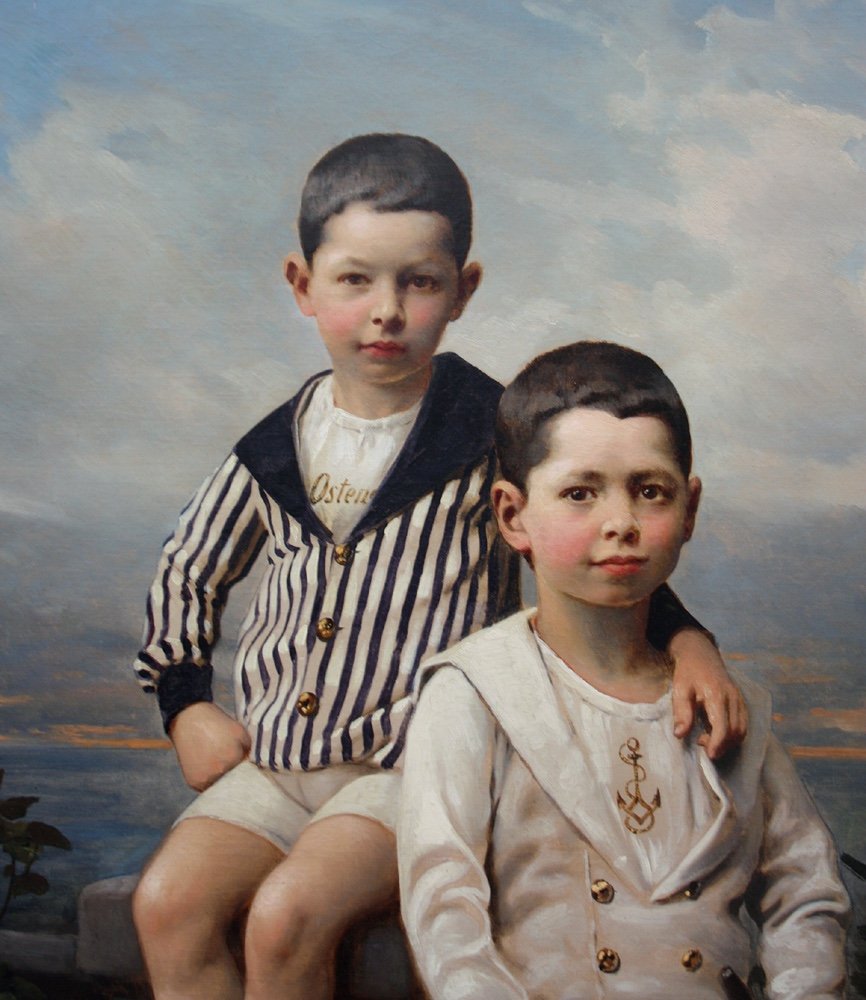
{"type": "Point", "coordinates": [369, 494]}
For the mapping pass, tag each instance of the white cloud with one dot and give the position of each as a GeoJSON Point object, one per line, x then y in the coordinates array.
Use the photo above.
{"type": "Point", "coordinates": [24, 506]}
{"type": "Point", "coordinates": [682, 199]}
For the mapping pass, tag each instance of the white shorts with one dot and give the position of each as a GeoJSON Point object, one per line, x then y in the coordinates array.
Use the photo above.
{"type": "Point", "coordinates": [279, 805]}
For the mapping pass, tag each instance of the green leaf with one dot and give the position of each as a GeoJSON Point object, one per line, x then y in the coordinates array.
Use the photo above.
{"type": "Point", "coordinates": [13, 832]}
{"type": "Point", "coordinates": [45, 835]}
{"type": "Point", "coordinates": [22, 851]}
{"type": "Point", "coordinates": [32, 884]}
{"type": "Point", "coordinates": [16, 807]}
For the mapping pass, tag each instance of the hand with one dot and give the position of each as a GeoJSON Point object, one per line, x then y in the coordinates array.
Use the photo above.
{"type": "Point", "coordinates": [702, 682]}
{"type": "Point", "coordinates": [208, 743]}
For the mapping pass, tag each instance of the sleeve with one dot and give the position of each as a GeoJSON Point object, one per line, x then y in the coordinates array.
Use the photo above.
{"type": "Point", "coordinates": [218, 536]}
{"type": "Point", "coordinates": [443, 836]}
{"type": "Point", "coordinates": [667, 616]}
{"type": "Point", "coordinates": [797, 899]}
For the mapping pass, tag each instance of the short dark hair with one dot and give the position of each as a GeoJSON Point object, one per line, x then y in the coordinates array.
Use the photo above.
{"type": "Point", "coordinates": [391, 172]}
{"type": "Point", "coordinates": [594, 374]}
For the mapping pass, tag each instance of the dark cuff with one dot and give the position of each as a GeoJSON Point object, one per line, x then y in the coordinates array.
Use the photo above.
{"type": "Point", "coordinates": [667, 617]}
{"type": "Point", "coordinates": [180, 686]}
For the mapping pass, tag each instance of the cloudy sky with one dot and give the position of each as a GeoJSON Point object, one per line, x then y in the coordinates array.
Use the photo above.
{"type": "Point", "coordinates": [683, 177]}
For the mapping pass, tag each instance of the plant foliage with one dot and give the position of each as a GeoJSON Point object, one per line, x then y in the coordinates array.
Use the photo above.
{"type": "Point", "coordinates": [23, 840]}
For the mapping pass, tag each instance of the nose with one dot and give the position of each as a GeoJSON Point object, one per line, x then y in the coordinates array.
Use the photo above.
{"type": "Point", "coordinates": [620, 522]}
{"type": "Point", "coordinates": [387, 309]}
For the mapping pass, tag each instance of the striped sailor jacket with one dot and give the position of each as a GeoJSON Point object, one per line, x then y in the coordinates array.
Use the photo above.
{"type": "Point", "coordinates": [328, 651]}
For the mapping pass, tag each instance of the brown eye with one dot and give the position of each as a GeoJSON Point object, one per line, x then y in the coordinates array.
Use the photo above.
{"type": "Point", "coordinates": [353, 279]}
{"type": "Point", "coordinates": [580, 494]}
{"type": "Point", "coordinates": [423, 282]}
{"type": "Point", "coordinates": [652, 491]}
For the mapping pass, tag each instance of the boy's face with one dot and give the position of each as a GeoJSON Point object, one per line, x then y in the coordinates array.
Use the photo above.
{"type": "Point", "coordinates": [383, 286]}
{"type": "Point", "coordinates": [605, 513]}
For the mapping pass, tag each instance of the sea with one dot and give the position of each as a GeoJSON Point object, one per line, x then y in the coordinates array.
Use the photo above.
{"type": "Point", "coordinates": [115, 805]}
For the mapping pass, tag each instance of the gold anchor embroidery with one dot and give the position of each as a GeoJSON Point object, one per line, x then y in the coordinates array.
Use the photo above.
{"type": "Point", "coordinates": [639, 814]}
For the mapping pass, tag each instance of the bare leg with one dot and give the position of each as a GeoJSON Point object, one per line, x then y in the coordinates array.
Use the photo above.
{"type": "Point", "coordinates": [200, 879]}
{"type": "Point", "coordinates": [340, 869]}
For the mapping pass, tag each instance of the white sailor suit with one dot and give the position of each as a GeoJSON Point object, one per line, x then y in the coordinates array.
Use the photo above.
{"type": "Point", "coordinates": [512, 888]}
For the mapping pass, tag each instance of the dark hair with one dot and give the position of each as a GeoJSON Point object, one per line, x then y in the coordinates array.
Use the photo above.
{"type": "Point", "coordinates": [391, 173]}
{"type": "Point", "coordinates": [593, 374]}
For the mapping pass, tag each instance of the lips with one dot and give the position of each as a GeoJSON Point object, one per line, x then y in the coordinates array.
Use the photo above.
{"type": "Point", "coordinates": [620, 565]}
{"type": "Point", "coordinates": [384, 349]}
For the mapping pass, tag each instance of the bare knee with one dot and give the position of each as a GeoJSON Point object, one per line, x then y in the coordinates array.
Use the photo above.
{"type": "Point", "coordinates": [165, 906]}
{"type": "Point", "coordinates": [288, 922]}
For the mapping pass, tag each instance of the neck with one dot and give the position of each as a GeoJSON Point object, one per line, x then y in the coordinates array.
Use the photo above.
{"type": "Point", "coordinates": [606, 646]}
{"type": "Point", "coordinates": [371, 402]}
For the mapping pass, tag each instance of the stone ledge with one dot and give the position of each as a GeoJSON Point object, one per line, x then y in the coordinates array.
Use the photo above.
{"type": "Point", "coordinates": [373, 964]}
{"type": "Point", "coordinates": [107, 942]}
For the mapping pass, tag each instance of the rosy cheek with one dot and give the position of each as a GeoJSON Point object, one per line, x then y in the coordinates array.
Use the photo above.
{"type": "Point", "coordinates": [425, 312]}
{"type": "Point", "coordinates": [566, 548]}
{"type": "Point", "coordinates": [662, 532]}
{"type": "Point", "coordinates": [344, 319]}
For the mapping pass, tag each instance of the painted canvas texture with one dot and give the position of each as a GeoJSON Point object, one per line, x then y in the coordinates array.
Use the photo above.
{"type": "Point", "coordinates": [684, 177]}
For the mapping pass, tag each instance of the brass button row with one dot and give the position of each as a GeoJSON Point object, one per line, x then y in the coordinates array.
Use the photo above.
{"type": "Point", "coordinates": [603, 892]}
{"type": "Point", "coordinates": [609, 961]}
{"type": "Point", "coordinates": [326, 628]}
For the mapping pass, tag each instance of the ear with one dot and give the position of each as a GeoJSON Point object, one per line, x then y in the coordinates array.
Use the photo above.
{"type": "Point", "coordinates": [469, 280]}
{"type": "Point", "coordinates": [508, 503]}
{"type": "Point", "coordinates": [692, 504]}
{"type": "Point", "coordinates": [297, 272]}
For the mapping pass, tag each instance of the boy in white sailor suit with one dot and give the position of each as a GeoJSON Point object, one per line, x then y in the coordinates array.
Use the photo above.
{"type": "Point", "coordinates": [556, 841]}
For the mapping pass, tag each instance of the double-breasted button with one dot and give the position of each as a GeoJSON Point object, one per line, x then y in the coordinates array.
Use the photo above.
{"type": "Point", "coordinates": [326, 628]}
{"type": "Point", "coordinates": [692, 960]}
{"type": "Point", "coordinates": [602, 891]}
{"type": "Point", "coordinates": [308, 704]}
{"type": "Point", "coordinates": [693, 891]}
{"type": "Point", "coordinates": [608, 960]}
{"type": "Point", "coordinates": [343, 554]}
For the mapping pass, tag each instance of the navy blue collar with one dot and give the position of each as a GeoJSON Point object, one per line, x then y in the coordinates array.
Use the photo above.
{"type": "Point", "coordinates": [453, 432]}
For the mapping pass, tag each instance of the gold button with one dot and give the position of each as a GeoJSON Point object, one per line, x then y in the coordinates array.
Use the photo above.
{"type": "Point", "coordinates": [602, 891]}
{"type": "Point", "coordinates": [692, 960]}
{"type": "Point", "coordinates": [308, 704]}
{"type": "Point", "coordinates": [343, 554]}
{"type": "Point", "coordinates": [326, 628]}
{"type": "Point", "coordinates": [608, 960]}
{"type": "Point", "coordinates": [693, 891]}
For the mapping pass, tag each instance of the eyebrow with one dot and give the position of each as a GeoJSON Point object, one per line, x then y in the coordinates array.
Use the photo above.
{"type": "Point", "coordinates": [585, 476]}
{"type": "Point", "coordinates": [361, 264]}
{"type": "Point", "coordinates": [595, 478]}
{"type": "Point", "coordinates": [662, 475]}
{"type": "Point", "coordinates": [352, 262]}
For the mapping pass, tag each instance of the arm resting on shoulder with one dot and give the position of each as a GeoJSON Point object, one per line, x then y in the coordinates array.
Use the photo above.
{"type": "Point", "coordinates": [443, 837]}
{"type": "Point", "coordinates": [701, 681]}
